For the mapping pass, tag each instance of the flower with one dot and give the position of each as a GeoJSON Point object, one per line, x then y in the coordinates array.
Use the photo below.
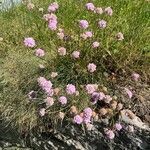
{"type": "Point", "coordinates": [76, 54]}
{"type": "Point", "coordinates": [89, 34]}
{"type": "Point", "coordinates": [32, 95]}
{"type": "Point", "coordinates": [135, 76]}
{"type": "Point", "coordinates": [118, 126]}
{"type": "Point", "coordinates": [83, 24]}
{"type": "Point", "coordinates": [119, 106]}
{"type": "Point", "coordinates": [70, 89]}
{"type": "Point", "coordinates": [95, 97]}
{"type": "Point", "coordinates": [54, 74]}
{"type": "Point", "coordinates": [60, 35]}
{"type": "Point", "coordinates": [102, 24]}
{"type": "Point", "coordinates": [109, 11]}
{"type": "Point", "coordinates": [46, 86]}
{"type": "Point", "coordinates": [108, 98]}
{"type": "Point", "coordinates": [53, 7]}
{"type": "Point", "coordinates": [91, 67]}
{"type": "Point", "coordinates": [99, 10]}
{"type": "Point", "coordinates": [50, 17]}
{"type": "Point", "coordinates": [30, 6]}
{"type": "Point", "coordinates": [95, 44]}
{"type": "Point", "coordinates": [49, 101]}
{"type": "Point", "coordinates": [78, 119]}
{"type": "Point", "coordinates": [101, 96]}
{"type": "Point", "coordinates": [90, 6]}
{"type": "Point", "coordinates": [41, 66]}
{"type": "Point", "coordinates": [90, 88]}
{"type": "Point", "coordinates": [62, 51]}
{"type": "Point", "coordinates": [29, 42]}
{"type": "Point", "coordinates": [42, 112]}
{"type": "Point", "coordinates": [120, 36]}
{"type": "Point", "coordinates": [39, 52]}
{"type": "Point", "coordinates": [73, 110]}
{"type": "Point", "coordinates": [63, 100]}
{"type": "Point", "coordinates": [52, 25]}
{"type": "Point", "coordinates": [110, 134]}
{"type": "Point", "coordinates": [87, 114]}
{"type": "Point", "coordinates": [129, 92]}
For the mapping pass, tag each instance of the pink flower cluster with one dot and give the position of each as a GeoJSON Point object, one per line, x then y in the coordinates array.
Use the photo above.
{"type": "Point", "coordinates": [46, 86]}
{"type": "Point", "coordinates": [39, 52]}
{"type": "Point", "coordinates": [53, 7]}
{"type": "Point", "coordinates": [70, 89]}
{"type": "Point", "coordinates": [63, 100]}
{"type": "Point", "coordinates": [29, 42]}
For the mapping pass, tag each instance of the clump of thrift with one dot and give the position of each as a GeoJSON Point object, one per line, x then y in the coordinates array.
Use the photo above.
{"type": "Point", "coordinates": [91, 88]}
{"type": "Point", "coordinates": [118, 126]}
{"type": "Point", "coordinates": [99, 10]}
{"type": "Point", "coordinates": [42, 112]}
{"type": "Point", "coordinates": [110, 134]}
{"type": "Point", "coordinates": [49, 101]}
{"type": "Point", "coordinates": [135, 76]}
{"type": "Point", "coordinates": [87, 114]}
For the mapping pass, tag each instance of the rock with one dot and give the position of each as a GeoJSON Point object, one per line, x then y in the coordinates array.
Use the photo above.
{"type": "Point", "coordinates": [130, 118]}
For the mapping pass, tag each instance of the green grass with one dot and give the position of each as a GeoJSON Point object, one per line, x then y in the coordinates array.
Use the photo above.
{"type": "Point", "coordinates": [19, 67]}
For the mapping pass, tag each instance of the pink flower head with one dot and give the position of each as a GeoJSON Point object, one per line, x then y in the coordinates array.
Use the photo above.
{"type": "Point", "coordinates": [76, 54]}
{"type": "Point", "coordinates": [109, 11]}
{"type": "Point", "coordinates": [95, 44]}
{"type": "Point", "coordinates": [89, 34]}
{"type": "Point", "coordinates": [42, 112]}
{"type": "Point", "coordinates": [53, 7]}
{"type": "Point", "coordinates": [87, 114]}
{"type": "Point", "coordinates": [70, 89]}
{"type": "Point", "coordinates": [78, 119]}
{"type": "Point", "coordinates": [52, 25]}
{"type": "Point", "coordinates": [110, 134]}
{"type": "Point", "coordinates": [39, 52]}
{"type": "Point", "coordinates": [49, 101]}
{"type": "Point", "coordinates": [118, 126]}
{"type": "Point", "coordinates": [29, 42]}
{"type": "Point", "coordinates": [91, 67]}
{"type": "Point", "coordinates": [90, 88]}
{"type": "Point", "coordinates": [83, 24]}
{"type": "Point", "coordinates": [135, 76]}
{"type": "Point", "coordinates": [129, 93]}
{"type": "Point", "coordinates": [120, 36]}
{"type": "Point", "coordinates": [63, 100]}
{"type": "Point", "coordinates": [101, 96]}
{"type": "Point", "coordinates": [32, 95]}
{"type": "Point", "coordinates": [95, 97]}
{"type": "Point", "coordinates": [62, 51]}
{"type": "Point", "coordinates": [46, 86]}
{"type": "Point", "coordinates": [90, 6]}
{"type": "Point", "coordinates": [102, 24]}
{"type": "Point", "coordinates": [99, 10]}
